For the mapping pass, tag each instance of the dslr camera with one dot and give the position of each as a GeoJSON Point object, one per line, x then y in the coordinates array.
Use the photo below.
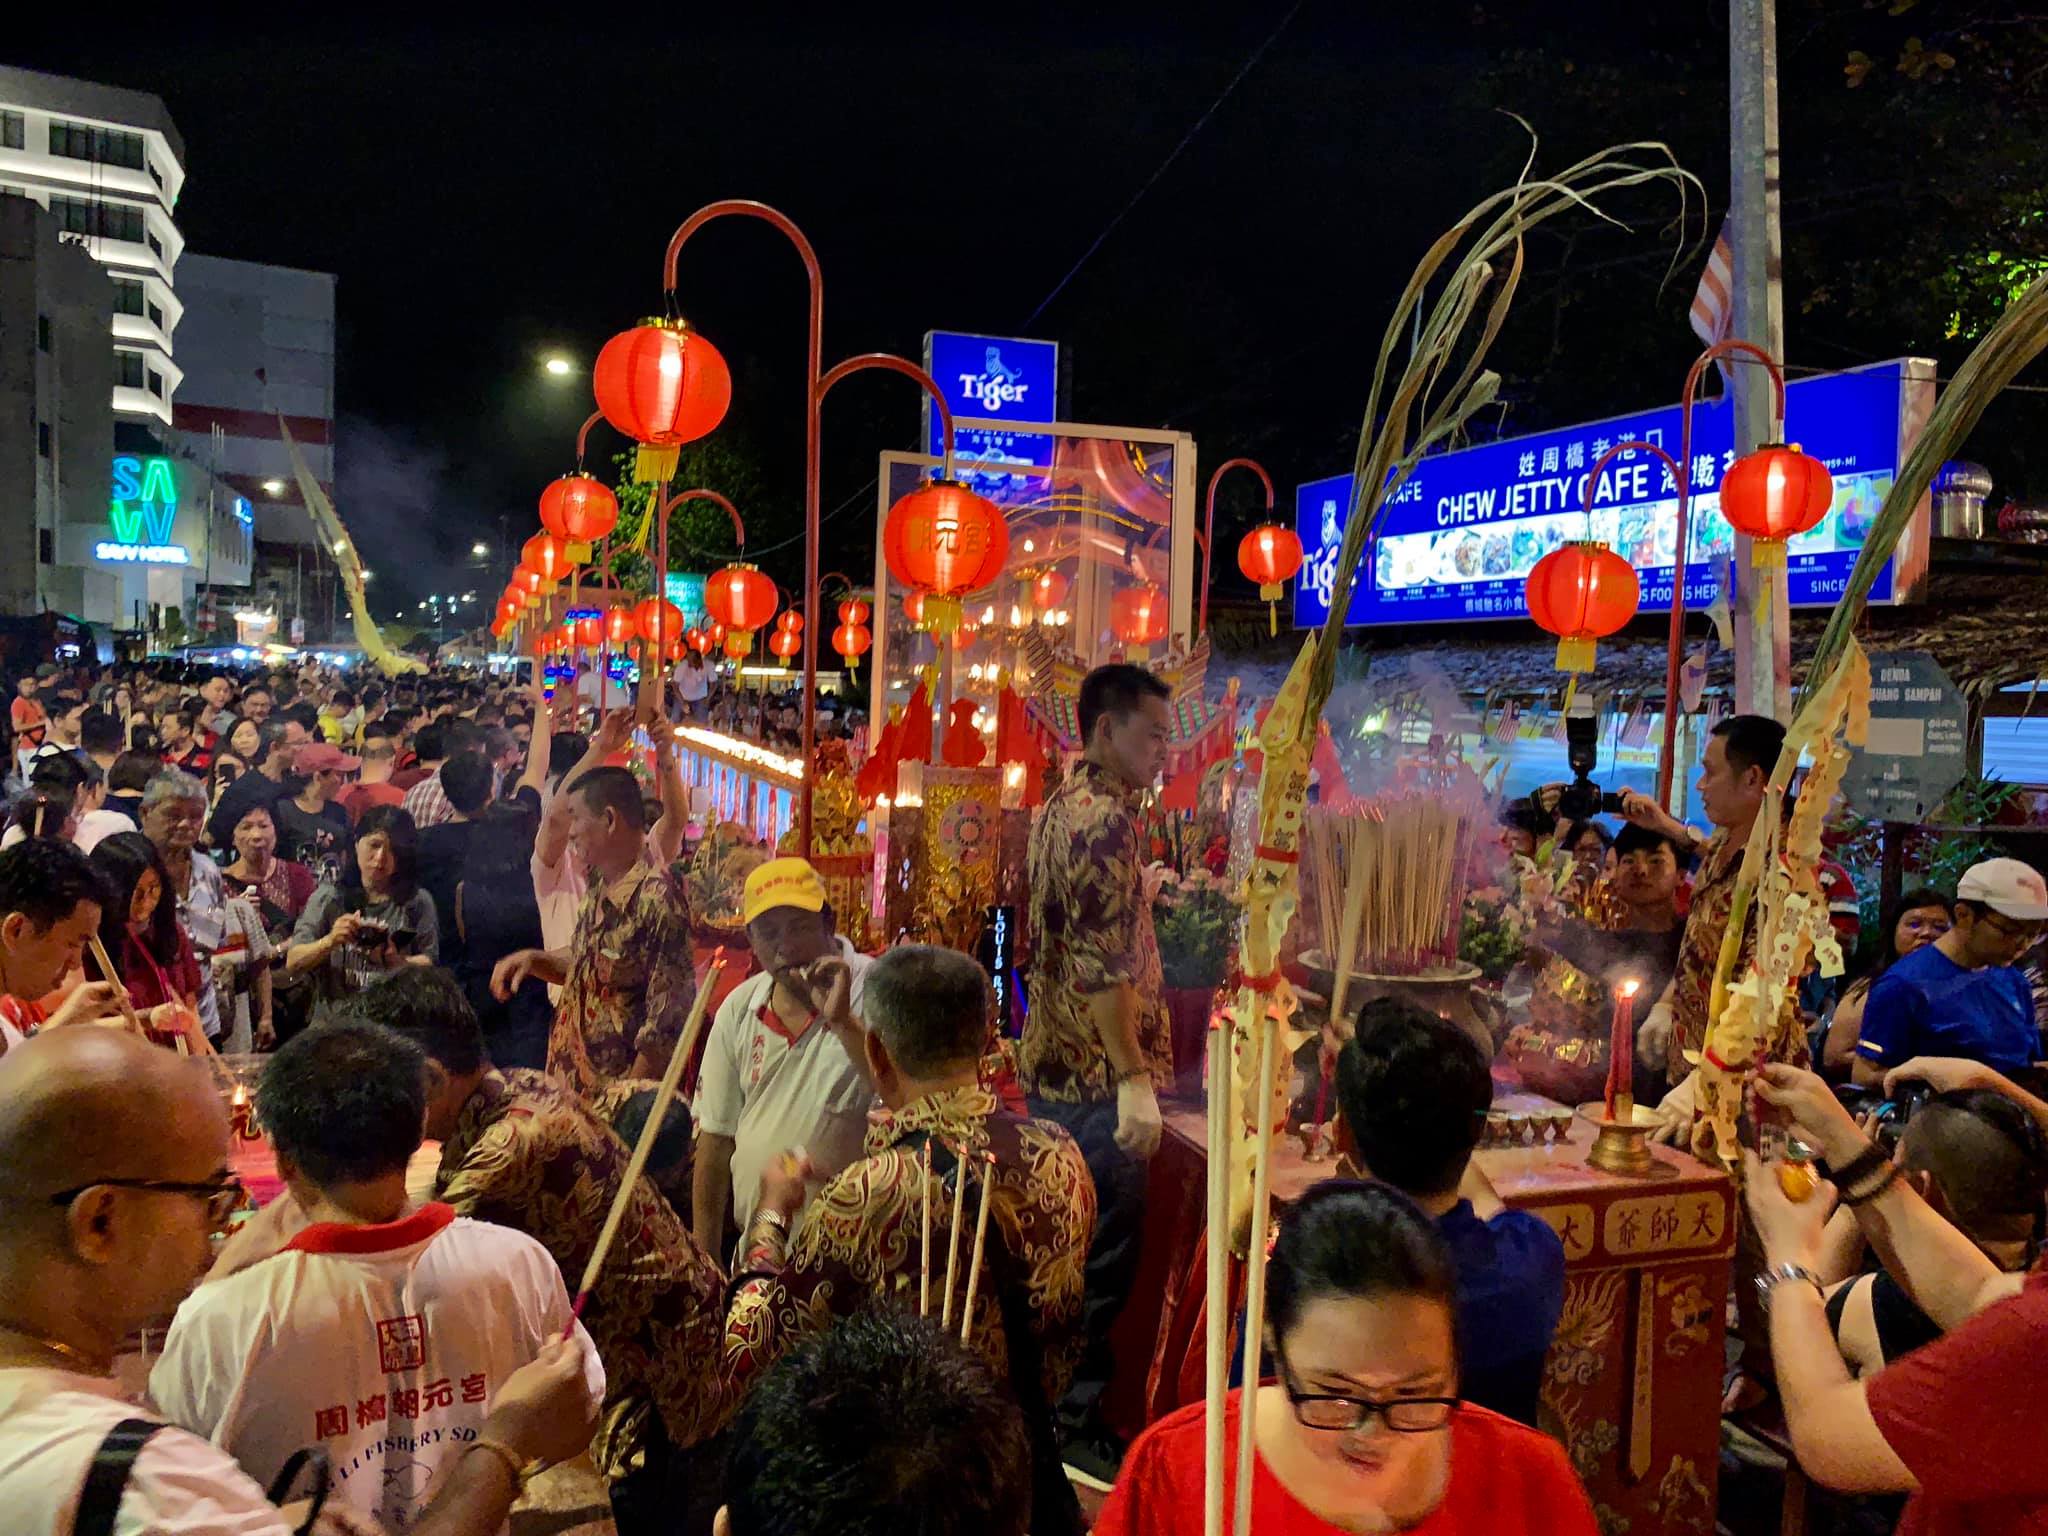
{"type": "Point", "coordinates": [1582, 798]}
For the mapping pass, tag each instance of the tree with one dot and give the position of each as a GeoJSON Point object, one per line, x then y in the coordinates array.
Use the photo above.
{"type": "Point", "coordinates": [700, 534]}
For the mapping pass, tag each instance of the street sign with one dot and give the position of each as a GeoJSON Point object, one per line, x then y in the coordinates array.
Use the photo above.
{"type": "Point", "coordinates": [1919, 740]}
{"type": "Point", "coordinates": [1005, 377]}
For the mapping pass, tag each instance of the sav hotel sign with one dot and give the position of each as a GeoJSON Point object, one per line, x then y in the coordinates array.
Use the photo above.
{"type": "Point", "coordinates": [143, 507]}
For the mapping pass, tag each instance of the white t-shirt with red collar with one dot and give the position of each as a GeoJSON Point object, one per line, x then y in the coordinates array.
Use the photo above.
{"type": "Point", "coordinates": [51, 1425]}
{"type": "Point", "coordinates": [773, 1091]}
{"type": "Point", "coordinates": [383, 1345]}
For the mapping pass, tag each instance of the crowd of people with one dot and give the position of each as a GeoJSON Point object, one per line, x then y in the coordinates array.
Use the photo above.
{"type": "Point", "coordinates": [456, 911]}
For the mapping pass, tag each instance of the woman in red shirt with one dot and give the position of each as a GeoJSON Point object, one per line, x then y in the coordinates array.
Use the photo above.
{"type": "Point", "coordinates": [1363, 1431]}
{"type": "Point", "coordinates": [139, 928]}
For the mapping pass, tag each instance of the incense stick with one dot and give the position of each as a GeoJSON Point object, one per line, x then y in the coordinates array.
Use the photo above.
{"type": "Point", "coordinates": [988, 1178]}
{"type": "Point", "coordinates": [1255, 1276]}
{"type": "Point", "coordinates": [924, 1282]}
{"type": "Point", "coordinates": [663, 1097]}
{"type": "Point", "coordinates": [1217, 1317]}
{"type": "Point", "coordinates": [99, 954]}
{"type": "Point", "coordinates": [953, 1237]}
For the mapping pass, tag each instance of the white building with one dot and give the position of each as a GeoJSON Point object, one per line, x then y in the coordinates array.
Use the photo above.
{"type": "Point", "coordinates": [108, 163]}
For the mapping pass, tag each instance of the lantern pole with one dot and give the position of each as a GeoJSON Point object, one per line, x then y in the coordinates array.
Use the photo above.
{"type": "Point", "coordinates": [1209, 524]}
{"type": "Point", "coordinates": [1667, 762]}
{"type": "Point", "coordinates": [583, 435]}
{"type": "Point", "coordinates": [705, 493]}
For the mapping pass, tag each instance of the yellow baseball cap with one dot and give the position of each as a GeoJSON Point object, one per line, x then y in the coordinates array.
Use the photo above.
{"type": "Point", "coordinates": [782, 883]}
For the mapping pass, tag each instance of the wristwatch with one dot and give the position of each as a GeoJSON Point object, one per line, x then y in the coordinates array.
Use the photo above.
{"type": "Point", "coordinates": [1771, 1279]}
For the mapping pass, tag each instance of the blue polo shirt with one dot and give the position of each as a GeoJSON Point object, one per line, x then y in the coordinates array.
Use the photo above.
{"type": "Point", "coordinates": [1510, 1295]}
{"type": "Point", "coordinates": [1927, 1005]}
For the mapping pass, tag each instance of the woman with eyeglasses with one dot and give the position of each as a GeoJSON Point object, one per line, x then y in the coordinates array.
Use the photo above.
{"type": "Point", "coordinates": [1363, 1430]}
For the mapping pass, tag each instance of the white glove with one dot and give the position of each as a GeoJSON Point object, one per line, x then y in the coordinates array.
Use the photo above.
{"type": "Point", "coordinates": [1675, 1113]}
{"type": "Point", "coordinates": [1653, 1036]}
{"type": "Point", "coordinates": [1138, 1126]}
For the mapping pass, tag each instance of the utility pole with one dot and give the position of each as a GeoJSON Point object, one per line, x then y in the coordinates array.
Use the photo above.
{"type": "Point", "coordinates": [1762, 624]}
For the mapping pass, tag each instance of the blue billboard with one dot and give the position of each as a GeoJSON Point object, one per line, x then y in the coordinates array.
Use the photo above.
{"type": "Point", "coordinates": [1457, 540]}
{"type": "Point", "coordinates": [997, 377]}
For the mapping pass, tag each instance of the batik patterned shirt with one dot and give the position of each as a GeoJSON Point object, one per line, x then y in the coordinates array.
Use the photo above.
{"type": "Point", "coordinates": [1092, 927]}
{"type": "Point", "coordinates": [860, 1241]}
{"type": "Point", "coordinates": [630, 983]}
{"type": "Point", "coordinates": [527, 1153]}
{"type": "Point", "coordinates": [1699, 953]}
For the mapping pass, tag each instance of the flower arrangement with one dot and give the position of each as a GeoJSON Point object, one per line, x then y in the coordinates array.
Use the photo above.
{"type": "Point", "coordinates": [1494, 931]}
{"type": "Point", "coordinates": [1194, 916]}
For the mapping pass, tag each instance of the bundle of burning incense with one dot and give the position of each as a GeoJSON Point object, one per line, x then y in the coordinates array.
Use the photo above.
{"type": "Point", "coordinates": [1389, 880]}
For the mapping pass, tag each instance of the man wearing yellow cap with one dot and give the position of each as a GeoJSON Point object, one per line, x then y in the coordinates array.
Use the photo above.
{"type": "Point", "coordinates": [785, 1066]}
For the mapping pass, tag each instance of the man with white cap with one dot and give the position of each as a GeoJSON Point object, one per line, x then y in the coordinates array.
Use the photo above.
{"type": "Point", "coordinates": [785, 1065]}
{"type": "Point", "coordinates": [1964, 995]}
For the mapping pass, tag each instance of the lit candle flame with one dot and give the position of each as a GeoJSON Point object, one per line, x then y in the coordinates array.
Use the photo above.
{"type": "Point", "coordinates": [1629, 988]}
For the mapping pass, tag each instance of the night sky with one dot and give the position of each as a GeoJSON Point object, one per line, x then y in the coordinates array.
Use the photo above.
{"type": "Point", "coordinates": [487, 197]}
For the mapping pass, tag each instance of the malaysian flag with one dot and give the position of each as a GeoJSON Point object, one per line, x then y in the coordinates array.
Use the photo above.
{"type": "Point", "coordinates": [1635, 730]}
{"type": "Point", "coordinates": [1507, 723]}
{"type": "Point", "coordinates": [1713, 302]}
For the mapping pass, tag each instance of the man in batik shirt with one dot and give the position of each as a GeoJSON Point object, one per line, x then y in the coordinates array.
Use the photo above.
{"type": "Point", "coordinates": [1096, 1044]}
{"type": "Point", "coordinates": [520, 1150]}
{"type": "Point", "coordinates": [626, 978]}
{"type": "Point", "coordinates": [861, 1240]}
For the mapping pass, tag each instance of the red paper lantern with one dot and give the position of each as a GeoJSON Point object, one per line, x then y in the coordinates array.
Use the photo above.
{"type": "Point", "coordinates": [526, 581]}
{"type": "Point", "coordinates": [739, 644]}
{"type": "Point", "coordinates": [913, 609]}
{"type": "Point", "coordinates": [1775, 494]}
{"type": "Point", "coordinates": [852, 640]}
{"type": "Point", "coordinates": [946, 539]}
{"type": "Point", "coordinates": [1270, 555]}
{"type": "Point", "coordinates": [716, 631]}
{"type": "Point", "coordinates": [579, 510]}
{"type": "Point", "coordinates": [741, 598]}
{"type": "Point", "coordinates": [785, 643]}
{"type": "Point", "coordinates": [1579, 593]}
{"type": "Point", "coordinates": [854, 611]}
{"type": "Point", "coordinates": [792, 621]}
{"type": "Point", "coordinates": [549, 556]}
{"type": "Point", "coordinates": [659, 621]}
{"type": "Point", "coordinates": [696, 640]}
{"type": "Point", "coordinates": [1137, 615]}
{"type": "Point", "coordinates": [589, 630]}
{"type": "Point", "coordinates": [619, 629]}
{"type": "Point", "coordinates": [1048, 589]}
{"type": "Point", "coordinates": [662, 385]}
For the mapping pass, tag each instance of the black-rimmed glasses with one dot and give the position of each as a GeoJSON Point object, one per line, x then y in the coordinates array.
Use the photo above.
{"type": "Point", "coordinates": [1332, 1411]}
{"type": "Point", "coordinates": [223, 1196]}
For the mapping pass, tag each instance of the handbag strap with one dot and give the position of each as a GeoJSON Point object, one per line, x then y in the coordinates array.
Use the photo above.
{"type": "Point", "coordinates": [106, 1480]}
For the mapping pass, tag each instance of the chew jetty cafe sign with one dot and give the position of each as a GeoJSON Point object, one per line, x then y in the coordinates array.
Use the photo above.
{"type": "Point", "coordinates": [1459, 537]}
{"type": "Point", "coordinates": [143, 508]}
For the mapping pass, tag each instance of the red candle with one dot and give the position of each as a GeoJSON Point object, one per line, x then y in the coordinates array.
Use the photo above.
{"type": "Point", "coordinates": [1621, 1052]}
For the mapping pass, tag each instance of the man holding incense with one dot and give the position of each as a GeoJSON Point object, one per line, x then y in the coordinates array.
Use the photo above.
{"type": "Point", "coordinates": [520, 1150]}
{"type": "Point", "coordinates": [1097, 1044]}
{"type": "Point", "coordinates": [961, 1210]}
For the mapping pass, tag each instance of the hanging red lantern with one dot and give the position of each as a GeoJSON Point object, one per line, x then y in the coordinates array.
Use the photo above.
{"type": "Point", "coordinates": [851, 639]}
{"type": "Point", "coordinates": [579, 510]}
{"type": "Point", "coordinates": [1137, 616]}
{"type": "Point", "coordinates": [619, 629]}
{"type": "Point", "coordinates": [658, 621]}
{"type": "Point", "coordinates": [854, 611]}
{"type": "Point", "coordinates": [739, 644]}
{"type": "Point", "coordinates": [913, 609]}
{"type": "Point", "coordinates": [716, 631]}
{"type": "Point", "coordinates": [1775, 494]}
{"type": "Point", "coordinates": [1580, 593]}
{"type": "Point", "coordinates": [549, 556]}
{"type": "Point", "coordinates": [589, 630]}
{"type": "Point", "coordinates": [741, 598]}
{"type": "Point", "coordinates": [791, 620]}
{"type": "Point", "coordinates": [1270, 555]}
{"type": "Point", "coordinates": [785, 643]}
{"type": "Point", "coordinates": [1048, 589]}
{"type": "Point", "coordinates": [946, 539]}
{"type": "Point", "coordinates": [696, 640]}
{"type": "Point", "coordinates": [526, 581]}
{"type": "Point", "coordinates": [662, 385]}
{"type": "Point", "coordinates": [509, 609]}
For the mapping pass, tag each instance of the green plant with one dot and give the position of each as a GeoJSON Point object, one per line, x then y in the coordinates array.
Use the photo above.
{"type": "Point", "coordinates": [1193, 917]}
{"type": "Point", "coordinates": [1935, 853]}
{"type": "Point", "coordinates": [1491, 933]}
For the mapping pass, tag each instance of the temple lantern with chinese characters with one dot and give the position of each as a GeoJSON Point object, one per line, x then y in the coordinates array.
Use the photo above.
{"type": "Point", "coordinates": [659, 622]}
{"type": "Point", "coordinates": [1775, 494]}
{"type": "Point", "coordinates": [579, 510]}
{"type": "Point", "coordinates": [1270, 555]}
{"type": "Point", "coordinates": [547, 555]}
{"type": "Point", "coordinates": [742, 598]}
{"type": "Point", "coordinates": [619, 629]}
{"type": "Point", "coordinates": [1137, 616]}
{"type": "Point", "coordinates": [662, 385]}
{"type": "Point", "coordinates": [948, 541]}
{"type": "Point", "coordinates": [1580, 593]}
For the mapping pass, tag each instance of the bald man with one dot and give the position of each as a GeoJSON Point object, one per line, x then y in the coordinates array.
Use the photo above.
{"type": "Point", "coordinates": [113, 1180]}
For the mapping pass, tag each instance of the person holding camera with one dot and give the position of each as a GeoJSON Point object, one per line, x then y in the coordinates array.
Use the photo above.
{"type": "Point", "coordinates": [1963, 995]}
{"type": "Point", "coordinates": [375, 918]}
{"type": "Point", "coordinates": [1955, 1423]}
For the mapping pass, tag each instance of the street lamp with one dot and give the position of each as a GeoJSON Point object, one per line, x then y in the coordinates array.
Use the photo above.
{"type": "Point", "coordinates": [478, 550]}
{"type": "Point", "coordinates": [559, 367]}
